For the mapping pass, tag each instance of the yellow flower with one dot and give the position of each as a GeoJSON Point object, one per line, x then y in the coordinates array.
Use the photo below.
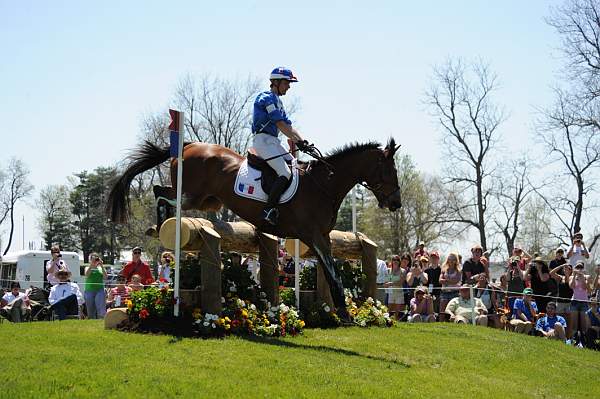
{"type": "Point", "coordinates": [129, 304]}
{"type": "Point", "coordinates": [301, 323]}
{"type": "Point", "coordinates": [220, 321]}
{"type": "Point", "coordinates": [227, 319]}
{"type": "Point", "coordinates": [244, 313]}
{"type": "Point", "coordinates": [267, 322]}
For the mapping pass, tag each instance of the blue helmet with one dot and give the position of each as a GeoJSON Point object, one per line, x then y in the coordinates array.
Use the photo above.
{"type": "Point", "coordinates": [283, 73]}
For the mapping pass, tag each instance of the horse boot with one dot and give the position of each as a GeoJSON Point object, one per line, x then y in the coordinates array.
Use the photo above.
{"type": "Point", "coordinates": [271, 213]}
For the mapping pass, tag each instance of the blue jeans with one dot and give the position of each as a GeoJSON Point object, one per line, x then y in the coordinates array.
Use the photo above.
{"type": "Point", "coordinates": [95, 303]}
{"type": "Point", "coordinates": [66, 306]}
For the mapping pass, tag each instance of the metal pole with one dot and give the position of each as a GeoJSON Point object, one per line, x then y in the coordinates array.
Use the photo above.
{"type": "Point", "coordinates": [178, 213]}
{"type": "Point", "coordinates": [354, 209]}
{"type": "Point", "coordinates": [297, 272]}
{"type": "Point", "coordinates": [472, 305]}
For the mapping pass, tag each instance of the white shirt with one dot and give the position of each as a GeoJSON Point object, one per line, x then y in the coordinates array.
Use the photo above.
{"type": "Point", "coordinates": [382, 272]}
{"type": "Point", "coordinates": [9, 297]}
{"type": "Point", "coordinates": [577, 255]}
{"type": "Point", "coordinates": [60, 265]}
{"type": "Point", "coordinates": [63, 290]}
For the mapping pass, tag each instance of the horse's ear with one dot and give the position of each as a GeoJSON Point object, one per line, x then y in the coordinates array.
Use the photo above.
{"type": "Point", "coordinates": [391, 148]}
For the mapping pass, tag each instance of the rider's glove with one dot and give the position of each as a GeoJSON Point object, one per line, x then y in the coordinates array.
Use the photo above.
{"type": "Point", "coordinates": [302, 145]}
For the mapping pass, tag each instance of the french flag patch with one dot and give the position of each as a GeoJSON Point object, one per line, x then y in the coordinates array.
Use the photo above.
{"type": "Point", "coordinates": [246, 188]}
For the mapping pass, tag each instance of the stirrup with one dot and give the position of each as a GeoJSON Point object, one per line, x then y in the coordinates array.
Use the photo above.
{"type": "Point", "coordinates": [271, 215]}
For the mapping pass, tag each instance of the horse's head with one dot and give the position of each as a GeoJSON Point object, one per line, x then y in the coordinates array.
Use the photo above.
{"type": "Point", "coordinates": [383, 180]}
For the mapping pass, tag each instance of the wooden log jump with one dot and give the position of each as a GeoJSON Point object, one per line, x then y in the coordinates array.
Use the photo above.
{"type": "Point", "coordinates": [209, 238]}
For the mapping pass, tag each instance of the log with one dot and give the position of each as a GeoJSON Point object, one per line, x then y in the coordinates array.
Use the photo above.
{"type": "Point", "coordinates": [369, 265]}
{"type": "Point", "coordinates": [210, 273]}
{"type": "Point", "coordinates": [235, 236]}
{"type": "Point", "coordinates": [344, 245]}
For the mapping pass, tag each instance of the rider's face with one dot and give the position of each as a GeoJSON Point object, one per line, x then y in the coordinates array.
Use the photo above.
{"type": "Point", "coordinates": [283, 87]}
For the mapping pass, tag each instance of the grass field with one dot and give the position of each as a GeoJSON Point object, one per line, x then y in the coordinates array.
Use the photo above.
{"type": "Point", "coordinates": [75, 359]}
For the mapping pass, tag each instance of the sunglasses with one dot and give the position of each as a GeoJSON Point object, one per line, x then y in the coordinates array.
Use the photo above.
{"type": "Point", "coordinates": [137, 253]}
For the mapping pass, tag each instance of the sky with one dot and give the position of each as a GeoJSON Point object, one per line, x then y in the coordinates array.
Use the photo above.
{"type": "Point", "coordinates": [76, 78]}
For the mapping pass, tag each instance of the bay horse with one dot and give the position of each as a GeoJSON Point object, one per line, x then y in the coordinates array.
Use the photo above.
{"type": "Point", "coordinates": [208, 183]}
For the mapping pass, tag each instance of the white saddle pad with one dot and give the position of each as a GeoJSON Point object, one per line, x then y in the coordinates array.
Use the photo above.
{"type": "Point", "coordinates": [247, 184]}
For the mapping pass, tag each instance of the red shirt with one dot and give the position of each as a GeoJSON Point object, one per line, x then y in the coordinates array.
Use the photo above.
{"type": "Point", "coordinates": [140, 268]}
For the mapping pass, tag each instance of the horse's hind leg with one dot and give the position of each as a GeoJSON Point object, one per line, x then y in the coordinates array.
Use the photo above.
{"type": "Point", "coordinates": [165, 199]}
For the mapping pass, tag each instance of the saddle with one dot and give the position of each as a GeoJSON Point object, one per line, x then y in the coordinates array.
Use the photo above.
{"type": "Point", "coordinates": [268, 174]}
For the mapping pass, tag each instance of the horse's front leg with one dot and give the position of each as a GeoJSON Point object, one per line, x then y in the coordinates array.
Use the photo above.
{"type": "Point", "coordinates": [322, 247]}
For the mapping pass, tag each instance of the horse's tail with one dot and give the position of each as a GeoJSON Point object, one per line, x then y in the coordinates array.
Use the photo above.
{"type": "Point", "coordinates": [149, 156]}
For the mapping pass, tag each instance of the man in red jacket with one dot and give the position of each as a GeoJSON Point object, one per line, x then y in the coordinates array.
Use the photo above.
{"type": "Point", "coordinates": [137, 266]}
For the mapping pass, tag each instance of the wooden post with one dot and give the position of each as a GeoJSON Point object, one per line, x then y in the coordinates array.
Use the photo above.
{"type": "Point", "coordinates": [268, 247]}
{"type": "Point", "coordinates": [210, 273]}
{"type": "Point", "coordinates": [369, 264]}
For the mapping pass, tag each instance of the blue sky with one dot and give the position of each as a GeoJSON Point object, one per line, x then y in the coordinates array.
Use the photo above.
{"type": "Point", "coordinates": [77, 77]}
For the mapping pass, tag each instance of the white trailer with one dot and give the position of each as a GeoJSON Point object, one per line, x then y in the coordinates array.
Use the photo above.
{"type": "Point", "coordinates": [29, 268]}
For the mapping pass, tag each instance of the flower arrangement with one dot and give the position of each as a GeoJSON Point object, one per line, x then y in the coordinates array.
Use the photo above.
{"type": "Point", "coordinates": [287, 296]}
{"type": "Point", "coordinates": [150, 303]}
{"type": "Point", "coordinates": [308, 277]}
{"type": "Point", "coordinates": [370, 313]}
{"type": "Point", "coordinates": [243, 318]}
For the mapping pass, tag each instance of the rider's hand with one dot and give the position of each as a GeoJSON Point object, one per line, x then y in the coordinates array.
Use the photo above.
{"type": "Point", "coordinates": [302, 145]}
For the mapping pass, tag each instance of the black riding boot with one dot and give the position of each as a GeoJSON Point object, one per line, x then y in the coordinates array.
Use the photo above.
{"type": "Point", "coordinates": [271, 213]}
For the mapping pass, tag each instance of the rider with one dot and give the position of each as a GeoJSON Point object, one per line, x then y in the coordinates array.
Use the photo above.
{"type": "Point", "coordinates": [269, 119]}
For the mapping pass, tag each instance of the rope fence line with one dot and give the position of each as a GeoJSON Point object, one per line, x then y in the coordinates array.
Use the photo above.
{"type": "Point", "coordinates": [403, 289]}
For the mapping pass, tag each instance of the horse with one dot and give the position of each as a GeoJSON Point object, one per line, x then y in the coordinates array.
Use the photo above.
{"type": "Point", "coordinates": [208, 182]}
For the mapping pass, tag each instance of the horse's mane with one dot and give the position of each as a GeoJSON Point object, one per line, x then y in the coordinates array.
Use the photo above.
{"type": "Point", "coordinates": [349, 149]}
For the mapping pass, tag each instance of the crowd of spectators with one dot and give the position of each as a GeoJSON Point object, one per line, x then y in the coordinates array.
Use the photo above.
{"type": "Point", "coordinates": [65, 297]}
{"type": "Point", "coordinates": [555, 299]}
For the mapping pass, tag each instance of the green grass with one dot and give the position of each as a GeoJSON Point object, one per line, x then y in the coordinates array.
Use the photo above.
{"type": "Point", "coordinates": [80, 359]}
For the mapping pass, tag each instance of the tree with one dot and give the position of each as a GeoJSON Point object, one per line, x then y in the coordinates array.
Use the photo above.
{"type": "Point", "coordinates": [570, 128]}
{"type": "Point", "coordinates": [536, 227]}
{"type": "Point", "coordinates": [16, 187]}
{"type": "Point", "coordinates": [218, 111]}
{"type": "Point", "coordinates": [424, 203]}
{"type": "Point", "coordinates": [461, 101]}
{"type": "Point", "coordinates": [96, 233]}
{"type": "Point", "coordinates": [512, 192]}
{"type": "Point", "coordinates": [55, 217]}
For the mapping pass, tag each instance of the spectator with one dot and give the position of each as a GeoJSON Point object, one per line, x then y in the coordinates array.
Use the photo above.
{"type": "Point", "coordinates": [65, 297]}
{"type": "Point", "coordinates": [473, 266]}
{"type": "Point", "coordinates": [167, 261]}
{"type": "Point", "coordinates": [397, 278]}
{"type": "Point", "coordinates": [580, 284]}
{"type": "Point", "coordinates": [252, 265]}
{"type": "Point", "coordinates": [54, 265]}
{"type": "Point", "coordinates": [420, 251]}
{"type": "Point", "coordinates": [524, 312]}
{"type": "Point", "coordinates": [559, 259]}
{"type": "Point", "coordinates": [450, 279]}
{"type": "Point", "coordinates": [578, 252]}
{"type": "Point", "coordinates": [137, 266]}
{"type": "Point", "coordinates": [417, 277]}
{"type": "Point", "coordinates": [484, 291]}
{"type": "Point", "coordinates": [119, 294]}
{"type": "Point", "coordinates": [136, 283]}
{"type": "Point", "coordinates": [562, 275]}
{"type": "Point", "coordinates": [593, 319]}
{"type": "Point", "coordinates": [464, 308]}
{"type": "Point", "coordinates": [434, 271]}
{"type": "Point", "coordinates": [383, 277]}
{"type": "Point", "coordinates": [14, 304]}
{"type": "Point", "coordinates": [515, 279]}
{"type": "Point", "coordinates": [551, 325]}
{"type": "Point", "coordinates": [95, 296]}
{"type": "Point", "coordinates": [421, 307]}
{"type": "Point", "coordinates": [524, 257]}
{"type": "Point", "coordinates": [538, 275]}
{"type": "Point", "coordinates": [406, 264]}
